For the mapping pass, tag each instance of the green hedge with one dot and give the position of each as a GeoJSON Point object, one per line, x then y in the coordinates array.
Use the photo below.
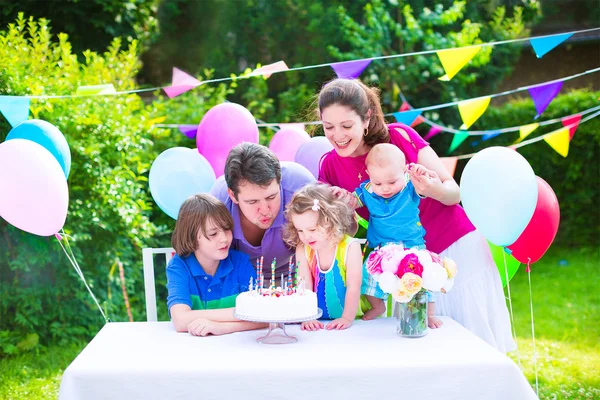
{"type": "Point", "coordinates": [575, 179]}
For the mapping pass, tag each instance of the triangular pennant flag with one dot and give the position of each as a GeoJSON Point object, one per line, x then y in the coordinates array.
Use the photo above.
{"type": "Point", "coordinates": [457, 140]}
{"type": "Point", "coordinates": [572, 120]}
{"type": "Point", "coordinates": [395, 91]}
{"type": "Point", "coordinates": [544, 44]}
{"type": "Point", "coordinates": [188, 130]}
{"type": "Point", "coordinates": [405, 106]}
{"type": "Point", "coordinates": [543, 95]}
{"type": "Point", "coordinates": [454, 59]}
{"type": "Point", "coordinates": [407, 117]}
{"type": "Point", "coordinates": [15, 109]}
{"type": "Point", "coordinates": [490, 135]}
{"type": "Point", "coordinates": [432, 132]}
{"type": "Point", "coordinates": [418, 121]}
{"type": "Point", "coordinates": [559, 141]}
{"type": "Point", "coordinates": [293, 125]}
{"type": "Point", "coordinates": [471, 110]}
{"type": "Point", "coordinates": [267, 70]}
{"type": "Point", "coordinates": [525, 130]}
{"type": "Point", "coordinates": [181, 83]}
{"type": "Point", "coordinates": [450, 164]}
{"type": "Point", "coordinates": [95, 90]}
{"type": "Point", "coordinates": [350, 69]}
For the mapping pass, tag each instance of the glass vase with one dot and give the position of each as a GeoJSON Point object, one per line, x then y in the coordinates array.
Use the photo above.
{"type": "Point", "coordinates": [411, 317]}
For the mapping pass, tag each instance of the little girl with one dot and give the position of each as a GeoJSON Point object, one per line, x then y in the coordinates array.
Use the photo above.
{"type": "Point", "coordinates": [330, 260]}
{"type": "Point", "coordinates": [205, 276]}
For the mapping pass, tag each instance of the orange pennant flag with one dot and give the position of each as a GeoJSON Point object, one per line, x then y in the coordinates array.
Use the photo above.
{"type": "Point", "coordinates": [450, 164]}
{"type": "Point", "coordinates": [559, 141]}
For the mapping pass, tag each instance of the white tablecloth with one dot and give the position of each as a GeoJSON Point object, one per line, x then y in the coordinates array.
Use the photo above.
{"type": "Point", "coordinates": [149, 360]}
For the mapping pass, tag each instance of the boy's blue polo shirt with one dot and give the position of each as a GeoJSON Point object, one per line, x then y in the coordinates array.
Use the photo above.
{"type": "Point", "coordinates": [392, 220]}
{"type": "Point", "coordinates": [188, 284]}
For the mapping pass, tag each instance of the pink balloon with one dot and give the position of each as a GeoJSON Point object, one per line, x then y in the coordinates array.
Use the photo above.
{"type": "Point", "coordinates": [310, 153]}
{"type": "Point", "coordinates": [34, 192]}
{"type": "Point", "coordinates": [286, 142]}
{"type": "Point", "coordinates": [221, 128]}
{"type": "Point", "coordinates": [541, 230]}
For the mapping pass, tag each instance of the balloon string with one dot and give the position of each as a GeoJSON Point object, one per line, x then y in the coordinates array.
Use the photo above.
{"type": "Point", "coordinates": [512, 317]}
{"type": "Point", "coordinates": [71, 258]}
{"type": "Point", "coordinates": [535, 363]}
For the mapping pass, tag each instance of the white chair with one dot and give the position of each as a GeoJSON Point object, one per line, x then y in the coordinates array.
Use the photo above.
{"type": "Point", "coordinates": [149, 285]}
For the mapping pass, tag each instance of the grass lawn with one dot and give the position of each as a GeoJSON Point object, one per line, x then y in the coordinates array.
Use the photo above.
{"type": "Point", "coordinates": [567, 325]}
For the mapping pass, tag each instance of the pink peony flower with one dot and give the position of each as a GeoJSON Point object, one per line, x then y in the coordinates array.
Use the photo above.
{"type": "Point", "coordinates": [374, 263]}
{"type": "Point", "coordinates": [391, 256]}
{"type": "Point", "coordinates": [435, 257]}
{"type": "Point", "coordinates": [410, 263]}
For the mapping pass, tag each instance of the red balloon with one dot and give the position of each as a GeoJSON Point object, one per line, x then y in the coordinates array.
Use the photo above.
{"type": "Point", "coordinates": [541, 230]}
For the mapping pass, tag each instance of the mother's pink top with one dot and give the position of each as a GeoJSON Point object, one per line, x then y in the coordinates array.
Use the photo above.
{"type": "Point", "coordinates": [443, 224]}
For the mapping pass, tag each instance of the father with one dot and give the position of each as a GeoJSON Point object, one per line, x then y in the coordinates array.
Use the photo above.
{"type": "Point", "coordinates": [256, 190]}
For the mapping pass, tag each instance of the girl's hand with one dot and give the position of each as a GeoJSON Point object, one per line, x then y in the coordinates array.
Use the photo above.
{"type": "Point", "coordinates": [339, 324]}
{"type": "Point", "coordinates": [312, 325]}
{"type": "Point", "coordinates": [204, 327]}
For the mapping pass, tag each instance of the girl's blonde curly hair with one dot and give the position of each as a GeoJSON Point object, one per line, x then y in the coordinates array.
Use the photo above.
{"type": "Point", "coordinates": [335, 216]}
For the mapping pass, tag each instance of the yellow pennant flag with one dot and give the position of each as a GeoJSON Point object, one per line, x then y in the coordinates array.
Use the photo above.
{"type": "Point", "coordinates": [559, 141]}
{"type": "Point", "coordinates": [454, 59]}
{"type": "Point", "coordinates": [471, 110]}
{"type": "Point", "coordinates": [525, 130]}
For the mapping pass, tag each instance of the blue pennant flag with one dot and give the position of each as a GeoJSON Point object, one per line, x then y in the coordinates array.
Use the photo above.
{"type": "Point", "coordinates": [15, 109]}
{"type": "Point", "coordinates": [544, 44]}
{"type": "Point", "coordinates": [489, 135]}
{"type": "Point", "coordinates": [407, 117]}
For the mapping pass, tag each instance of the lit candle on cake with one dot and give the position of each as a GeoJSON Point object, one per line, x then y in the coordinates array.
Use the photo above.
{"type": "Point", "coordinates": [250, 287]}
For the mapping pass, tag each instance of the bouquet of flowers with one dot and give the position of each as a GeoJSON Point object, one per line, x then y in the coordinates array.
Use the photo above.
{"type": "Point", "coordinates": [405, 272]}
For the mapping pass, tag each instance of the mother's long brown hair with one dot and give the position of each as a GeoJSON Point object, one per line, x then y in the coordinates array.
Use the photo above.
{"type": "Point", "coordinates": [361, 99]}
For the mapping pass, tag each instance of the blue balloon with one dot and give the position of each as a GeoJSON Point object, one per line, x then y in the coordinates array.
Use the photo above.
{"type": "Point", "coordinates": [47, 135]}
{"type": "Point", "coordinates": [499, 193]}
{"type": "Point", "coordinates": [177, 174]}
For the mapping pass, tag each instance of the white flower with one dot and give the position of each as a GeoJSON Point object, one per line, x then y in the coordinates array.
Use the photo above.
{"type": "Point", "coordinates": [388, 282]}
{"type": "Point", "coordinates": [434, 277]}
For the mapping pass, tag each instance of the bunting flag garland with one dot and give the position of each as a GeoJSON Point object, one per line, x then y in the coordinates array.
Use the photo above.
{"type": "Point", "coordinates": [434, 130]}
{"type": "Point", "coordinates": [559, 141]}
{"type": "Point", "coordinates": [525, 130]}
{"type": "Point", "coordinates": [573, 122]}
{"type": "Point", "coordinates": [543, 45]}
{"type": "Point", "coordinates": [491, 134]}
{"type": "Point", "coordinates": [407, 117]}
{"type": "Point", "coordinates": [267, 70]}
{"type": "Point", "coordinates": [95, 90]}
{"type": "Point", "coordinates": [471, 110]}
{"type": "Point", "coordinates": [181, 83]}
{"type": "Point", "coordinates": [350, 69]}
{"type": "Point", "coordinates": [457, 140]}
{"type": "Point", "coordinates": [15, 109]}
{"type": "Point", "coordinates": [543, 95]}
{"type": "Point", "coordinates": [294, 125]}
{"type": "Point", "coordinates": [188, 130]}
{"type": "Point", "coordinates": [449, 164]}
{"type": "Point", "coordinates": [454, 59]}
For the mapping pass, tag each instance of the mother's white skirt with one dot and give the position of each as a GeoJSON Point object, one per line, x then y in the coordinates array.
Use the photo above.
{"type": "Point", "coordinates": [477, 300]}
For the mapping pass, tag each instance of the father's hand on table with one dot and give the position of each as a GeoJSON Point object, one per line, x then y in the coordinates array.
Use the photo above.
{"type": "Point", "coordinates": [339, 324]}
{"type": "Point", "coordinates": [205, 327]}
{"type": "Point", "coordinates": [312, 325]}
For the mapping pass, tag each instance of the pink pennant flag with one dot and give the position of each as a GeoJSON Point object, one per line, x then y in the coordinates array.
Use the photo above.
{"type": "Point", "coordinates": [293, 125]}
{"type": "Point", "coordinates": [181, 83]}
{"type": "Point", "coordinates": [405, 106]}
{"type": "Point", "coordinates": [267, 70]}
{"type": "Point", "coordinates": [433, 131]}
{"type": "Point", "coordinates": [572, 120]}
{"type": "Point", "coordinates": [543, 95]}
{"type": "Point", "coordinates": [450, 164]}
{"type": "Point", "coordinates": [350, 69]}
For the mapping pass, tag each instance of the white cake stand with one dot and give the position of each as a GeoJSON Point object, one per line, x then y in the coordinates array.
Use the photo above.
{"type": "Point", "coordinates": [277, 333]}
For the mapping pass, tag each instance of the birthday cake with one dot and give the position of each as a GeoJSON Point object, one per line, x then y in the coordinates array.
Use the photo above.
{"type": "Point", "coordinates": [290, 301]}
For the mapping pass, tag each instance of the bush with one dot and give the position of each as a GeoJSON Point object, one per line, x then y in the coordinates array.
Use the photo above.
{"type": "Point", "coordinates": [111, 214]}
{"type": "Point", "coordinates": [574, 179]}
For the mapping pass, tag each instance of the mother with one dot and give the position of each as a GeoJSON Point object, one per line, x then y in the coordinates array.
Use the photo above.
{"type": "Point", "coordinates": [353, 122]}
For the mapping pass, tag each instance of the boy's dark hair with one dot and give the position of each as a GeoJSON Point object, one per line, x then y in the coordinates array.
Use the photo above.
{"type": "Point", "coordinates": [252, 163]}
{"type": "Point", "coordinates": [193, 217]}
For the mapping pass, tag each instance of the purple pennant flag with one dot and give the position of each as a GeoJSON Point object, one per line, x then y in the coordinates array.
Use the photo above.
{"type": "Point", "coordinates": [350, 69]}
{"type": "Point", "coordinates": [188, 130]}
{"type": "Point", "coordinates": [543, 95]}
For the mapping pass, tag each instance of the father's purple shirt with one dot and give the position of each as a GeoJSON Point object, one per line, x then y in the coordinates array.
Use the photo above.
{"type": "Point", "coordinates": [293, 177]}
